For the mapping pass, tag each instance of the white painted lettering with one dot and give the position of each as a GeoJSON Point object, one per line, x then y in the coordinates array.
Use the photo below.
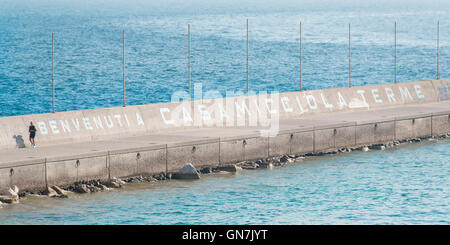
{"type": "Point", "coordinates": [311, 102]}
{"type": "Point", "coordinates": [390, 95]}
{"type": "Point", "coordinates": [327, 105]}
{"type": "Point", "coordinates": [268, 107]}
{"type": "Point", "coordinates": [404, 92]}
{"type": "Point", "coordinates": [361, 92]}
{"type": "Point", "coordinates": [53, 126]}
{"type": "Point", "coordinates": [222, 112]}
{"type": "Point", "coordinates": [65, 126]}
{"type": "Point", "coordinates": [419, 92]}
{"type": "Point", "coordinates": [117, 116]}
{"type": "Point", "coordinates": [240, 110]}
{"type": "Point", "coordinates": [285, 104]}
{"type": "Point", "coordinates": [42, 128]}
{"type": "Point", "coordinates": [204, 112]}
{"type": "Point", "coordinates": [126, 119]}
{"type": "Point", "coordinates": [186, 116]}
{"type": "Point", "coordinates": [139, 119]}
{"type": "Point", "coordinates": [76, 124]}
{"type": "Point", "coordinates": [300, 105]}
{"type": "Point", "coordinates": [98, 122]}
{"type": "Point", "coordinates": [376, 96]}
{"type": "Point", "coordinates": [162, 110]}
{"type": "Point", "coordinates": [87, 124]}
{"type": "Point", "coordinates": [109, 122]}
{"type": "Point", "coordinates": [342, 102]}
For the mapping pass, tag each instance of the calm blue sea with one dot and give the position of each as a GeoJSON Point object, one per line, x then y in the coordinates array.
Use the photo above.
{"type": "Point", "coordinates": [408, 185]}
{"type": "Point", "coordinates": [88, 48]}
{"type": "Point", "coordinates": [404, 186]}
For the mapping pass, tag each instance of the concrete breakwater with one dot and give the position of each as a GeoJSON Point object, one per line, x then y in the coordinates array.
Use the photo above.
{"type": "Point", "coordinates": [159, 139]}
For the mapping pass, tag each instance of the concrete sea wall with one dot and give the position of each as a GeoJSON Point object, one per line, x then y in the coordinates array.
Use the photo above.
{"type": "Point", "coordinates": [166, 155]}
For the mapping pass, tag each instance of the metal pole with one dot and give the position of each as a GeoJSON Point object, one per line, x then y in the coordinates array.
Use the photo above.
{"type": "Point", "coordinates": [349, 60]}
{"type": "Point", "coordinates": [247, 57]}
{"type": "Point", "coordinates": [189, 59]}
{"type": "Point", "coordinates": [437, 52]}
{"type": "Point", "coordinates": [53, 78]}
{"type": "Point", "coordinates": [301, 56]}
{"type": "Point", "coordinates": [395, 52]}
{"type": "Point", "coordinates": [123, 65]}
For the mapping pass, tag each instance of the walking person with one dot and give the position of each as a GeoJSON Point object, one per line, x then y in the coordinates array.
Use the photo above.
{"type": "Point", "coordinates": [32, 130]}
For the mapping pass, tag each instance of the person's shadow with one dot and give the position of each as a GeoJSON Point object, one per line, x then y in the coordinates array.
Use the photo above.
{"type": "Point", "coordinates": [20, 143]}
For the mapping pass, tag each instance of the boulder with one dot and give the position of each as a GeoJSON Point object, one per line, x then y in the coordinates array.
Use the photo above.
{"type": "Point", "coordinates": [103, 187]}
{"type": "Point", "coordinates": [206, 170]}
{"type": "Point", "coordinates": [268, 165]}
{"type": "Point", "coordinates": [81, 188]}
{"type": "Point", "coordinates": [59, 190]}
{"type": "Point", "coordinates": [229, 168]}
{"type": "Point", "coordinates": [365, 149]}
{"type": "Point", "coordinates": [10, 195]}
{"type": "Point", "coordinates": [9, 199]}
{"type": "Point", "coordinates": [250, 165]}
{"type": "Point", "coordinates": [93, 188]}
{"type": "Point", "coordinates": [187, 172]}
{"type": "Point", "coordinates": [50, 192]}
{"type": "Point", "coordinates": [10, 191]}
{"type": "Point", "coordinates": [379, 147]}
{"type": "Point", "coordinates": [112, 183]}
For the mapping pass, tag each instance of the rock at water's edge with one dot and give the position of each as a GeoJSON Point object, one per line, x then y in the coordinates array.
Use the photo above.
{"type": "Point", "coordinates": [9, 195]}
{"type": "Point", "coordinates": [9, 199]}
{"type": "Point", "coordinates": [229, 168]}
{"type": "Point", "coordinates": [81, 189]}
{"type": "Point", "coordinates": [187, 172]}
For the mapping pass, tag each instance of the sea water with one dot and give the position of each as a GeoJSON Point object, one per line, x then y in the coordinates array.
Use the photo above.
{"type": "Point", "coordinates": [404, 185]}
{"type": "Point", "coordinates": [88, 49]}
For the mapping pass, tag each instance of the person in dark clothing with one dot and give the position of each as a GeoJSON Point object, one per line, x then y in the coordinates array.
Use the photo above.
{"type": "Point", "coordinates": [32, 130]}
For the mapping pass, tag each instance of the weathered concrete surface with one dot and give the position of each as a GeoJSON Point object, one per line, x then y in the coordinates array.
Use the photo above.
{"type": "Point", "coordinates": [257, 110]}
{"type": "Point", "coordinates": [140, 142]}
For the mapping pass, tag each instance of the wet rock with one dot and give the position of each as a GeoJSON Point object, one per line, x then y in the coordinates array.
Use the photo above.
{"type": "Point", "coordinates": [93, 188]}
{"type": "Point", "coordinates": [81, 188]}
{"type": "Point", "coordinates": [60, 191]}
{"type": "Point", "coordinates": [9, 199]}
{"type": "Point", "coordinates": [229, 168]}
{"type": "Point", "coordinates": [51, 192]}
{"type": "Point", "coordinates": [10, 195]}
{"type": "Point", "coordinates": [284, 159]}
{"type": "Point", "coordinates": [249, 165]}
{"type": "Point", "coordinates": [103, 187]}
{"type": "Point", "coordinates": [378, 147]}
{"type": "Point", "coordinates": [365, 149]}
{"type": "Point", "coordinates": [268, 166]}
{"type": "Point", "coordinates": [206, 170]}
{"type": "Point", "coordinates": [25, 194]}
{"type": "Point", "coordinates": [10, 191]}
{"type": "Point", "coordinates": [161, 176]}
{"type": "Point", "coordinates": [112, 183]}
{"type": "Point", "coordinates": [299, 158]}
{"type": "Point", "coordinates": [187, 172]}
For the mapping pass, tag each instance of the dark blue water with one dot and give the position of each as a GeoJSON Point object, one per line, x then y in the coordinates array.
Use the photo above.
{"type": "Point", "coordinates": [88, 49]}
{"type": "Point", "coordinates": [408, 185]}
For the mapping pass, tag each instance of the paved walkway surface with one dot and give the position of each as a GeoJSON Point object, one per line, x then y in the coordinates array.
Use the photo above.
{"type": "Point", "coordinates": [29, 155]}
